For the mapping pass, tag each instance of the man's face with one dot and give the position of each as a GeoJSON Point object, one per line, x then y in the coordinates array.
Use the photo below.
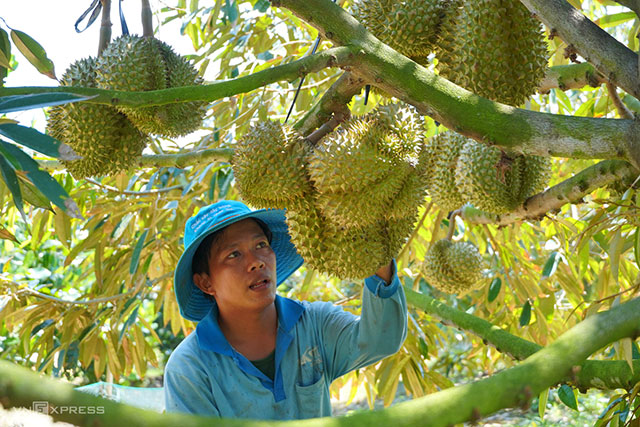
{"type": "Point", "coordinates": [242, 268]}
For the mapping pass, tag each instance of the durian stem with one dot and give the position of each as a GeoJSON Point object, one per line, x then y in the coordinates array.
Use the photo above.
{"type": "Point", "coordinates": [334, 100]}
{"type": "Point", "coordinates": [571, 190]}
{"type": "Point", "coordinates": [147, 19]}
{"type": "Point", "coordinates": [616, 61]}
{"type": "Point", "coordinates": [105, 26]}
{"type": "Point", "coordinates": [623, 111]}
{"type": "Point", "coordinates": [452, 223]}
{"type": "Point", "coordinates": [602, 374]}
{"type": "Point", "coordinates": [326, 128]}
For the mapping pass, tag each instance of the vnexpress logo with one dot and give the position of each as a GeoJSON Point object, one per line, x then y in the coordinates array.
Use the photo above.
{"type": "Point", "coordinates": [46, 408]}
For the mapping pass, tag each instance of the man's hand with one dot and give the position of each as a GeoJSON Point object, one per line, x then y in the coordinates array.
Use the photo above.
{"type": "Point", "coordinates": [385, 273]}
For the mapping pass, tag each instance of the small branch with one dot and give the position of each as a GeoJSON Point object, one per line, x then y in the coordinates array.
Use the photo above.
{"type": "Point", "coordinates": [147, 19]}
{"type": "Point", "coordinates": [601, 374]}
{"type": "Point", "coordinates": [105, 26]}
{"type": "Point", "coordinates": [178, 160]}
{"type": "Point", "coordinates": [571, 76]}
{"type": "Point", "coordinates": [452, 223]}
{"type": "Point", "coordinates": [569, 191]}
{"type": "Point", "coordinates": [623, 111]}
{"type": "Point", "coordinates": [616, 61]}
{"type": "Point", "coordinates": [334, 100]}
{"type": "Point", "coordinates": [134, 193]}
{"type": "Point", "coordinates": [334, 57]}
{"type": "Point", "coordinates": [326, 128]}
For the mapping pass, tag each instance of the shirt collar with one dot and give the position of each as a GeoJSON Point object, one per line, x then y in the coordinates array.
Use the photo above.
{"type": "Point", "coordinates": [211, 338]}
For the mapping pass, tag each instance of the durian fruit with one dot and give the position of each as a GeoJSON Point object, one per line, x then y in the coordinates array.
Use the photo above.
{"type": "Point", "coordinates": [106, 140]}
{"type": "Point", "coordinates": [344, 252]}
{"type": "Point", "coordinates": [453, 267]}
{"type": "Point", "coordinates": [496, 182]}
{"type": "Point", "coordinates": [409, 27]}
{"type": "Point", "coordinates": [445, 149]}
{"type": "Point", "coordinates": [359, 169]}
{"type": "Point", "coordinates": [269, 165]}
{"type": "Point", "coordinates": [494, 48]}
{"type": "Point", "coordinates": [134, 63]}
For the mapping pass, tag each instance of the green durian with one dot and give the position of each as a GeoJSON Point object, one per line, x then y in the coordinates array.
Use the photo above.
{"type": "Point", "coordinates": [494, 48]}
{"type": "Point", "coordinates": [453, 267]}
{"type": "Point", "coordinates": [134, 63]}
{"type": "Point", "coordinates": [106, 140]}
{"type": "Point", "coordinates": [269, 165]}
{"type": "Point", "coordinates": [445, 149]}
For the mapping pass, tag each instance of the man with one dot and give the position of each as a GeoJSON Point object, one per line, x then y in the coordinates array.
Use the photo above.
{"type": "Point", "coordinates": [255, 354]}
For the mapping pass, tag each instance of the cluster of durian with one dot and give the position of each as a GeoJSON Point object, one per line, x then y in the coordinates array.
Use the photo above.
{"type": "Point", "coordinates": [453, 267]}
{"type": "Point", "coordinates": [494, 48]}
{"type": "Point", "coordinates": [466, 171]}
{"type": "Point", "coordinates": [111, 139]}
{"type": "Point", "coordinates": [352, 199]}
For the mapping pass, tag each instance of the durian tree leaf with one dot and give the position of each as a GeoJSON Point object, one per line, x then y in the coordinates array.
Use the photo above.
{"type": "Point", "coordinates": [525, 316]}
{"type": "Point", "coordinates": [43, 181]}
{"type": "Point", "coordinates": [13, 103]}
{"type": "Point", "coordinates": [32, 195]}
{"type": "Point", "coordinates": [615, 19]}
{"type": "Point", "coordinates": [494, 289]}
{"type": "Point", "coordinates": [135, 257]}
{"type": "Point", "coordinates": [551, 265]}
{"type": "Point", "coordinates": [5, 50]}
{"type": "Point", "coordinates": [130, 321]}
{"type": "Point", "coordinates": [636, 246]}
{"type": "Point", "coordinates": [567, 396]}
{"type": "Point", "coordinates": [37, 141]}
{"type": "Point", "coordinates": [6, 235]}
{"type": "Point", "coordinates": [34, 52]}
{"type": "Point", "coordinates": [11, 180]}
{"type": "Point", "coordinates": [626, 351]}
{"type": "Point", "coordinates": [615, 249]}
{"type": "Point", "coordinates": [542, 402]}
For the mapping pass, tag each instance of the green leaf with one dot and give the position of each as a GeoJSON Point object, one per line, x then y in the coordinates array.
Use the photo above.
{"type": "Point", "coordinates": [11, 179]}
{"type": "Point", "coordinates": [525, 316]}
{"type": "Point", "coordinates": [33, 196]}
{"type": "Point", "coordinates": [34, 52]}
{"type": "Point", "coordinates": [615, 248]}
{"type": "Point", "coordinates": [135, 257]}
{"type": "Point", "coordinates": [542, 402]}
{"type": "Point", "coordinates": [37, 141]}
{"type": "Point", "coordinates": [224, 183]}
{"type": "Point", "coordinates": [42, 180]}
{"type": "Point", "coordinates": [636, 246]}
{"type": "Point", "coordinates": [566, 395]}
{"type": "Point", "coordinates": [262, 5]}
{"type": "Point", "coordinates": [615, 19]}
{"type": "Point", "coordinates": [5, 49]}
{"type": "Point", "coordinates": [551, 265]}
{"type": "Point", "coordinates": [10, 104]}
{"type": "Point", "coordinates": [130, 320]}
{"type": "Point", "coordinates": [6, 235]}
{"type": "Point", "coordinates": [494, 289]}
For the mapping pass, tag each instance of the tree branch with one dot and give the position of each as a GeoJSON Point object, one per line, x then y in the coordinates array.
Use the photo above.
{"type": "Point", "coordinates": [602, 374]}
{"type": "Point", "coordinates": [334, 100]}
{"type": "Point", "coordinates": [623, 111]}
{"type": "Point", "coordinates": [616, 61]}
{"type": "Point", "coordinates": [334, 57]}
{"type": "Point", "coordinates": [520, 130]}
{"type": "Point", "coordinates": [178, 160]}
{"type": "Point", "coordinates": [105, 26]}
{"type": "Point", "coordinates": [570, 190]}
{"type": "Point", "coordinates": [509, 388]}
{"type": "Point", "coordinates": [572, 76]}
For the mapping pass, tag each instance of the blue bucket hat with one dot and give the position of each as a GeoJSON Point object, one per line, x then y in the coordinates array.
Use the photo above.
{"type": "Point", "coordinates": [195, 304]}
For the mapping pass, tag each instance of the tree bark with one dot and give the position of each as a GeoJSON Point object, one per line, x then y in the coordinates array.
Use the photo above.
{"type": "Point", "coordinates": [616, 61]}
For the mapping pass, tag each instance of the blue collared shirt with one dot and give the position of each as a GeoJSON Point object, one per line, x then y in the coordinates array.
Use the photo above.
{"type": "Point", "coordinates": [315, 344]}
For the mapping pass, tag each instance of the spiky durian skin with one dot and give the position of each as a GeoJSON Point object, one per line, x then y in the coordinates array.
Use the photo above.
{"type": "Point", "coordinates": [269, 165]}
{"type": "Point", "coordinates": [453, 267]}
{"type": "Point", "coordinates": [409, 27]}
{"type": "Point", "coordinates": [107, 141]}
{"type": "Point", "coordinates": [445, 149]}
{"type": "Point", "coordinates": [133, 63]}
{"type": "Point", "coordinates": [494, 48]}
{"type": "Point", "coordinates": [495, 182]}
